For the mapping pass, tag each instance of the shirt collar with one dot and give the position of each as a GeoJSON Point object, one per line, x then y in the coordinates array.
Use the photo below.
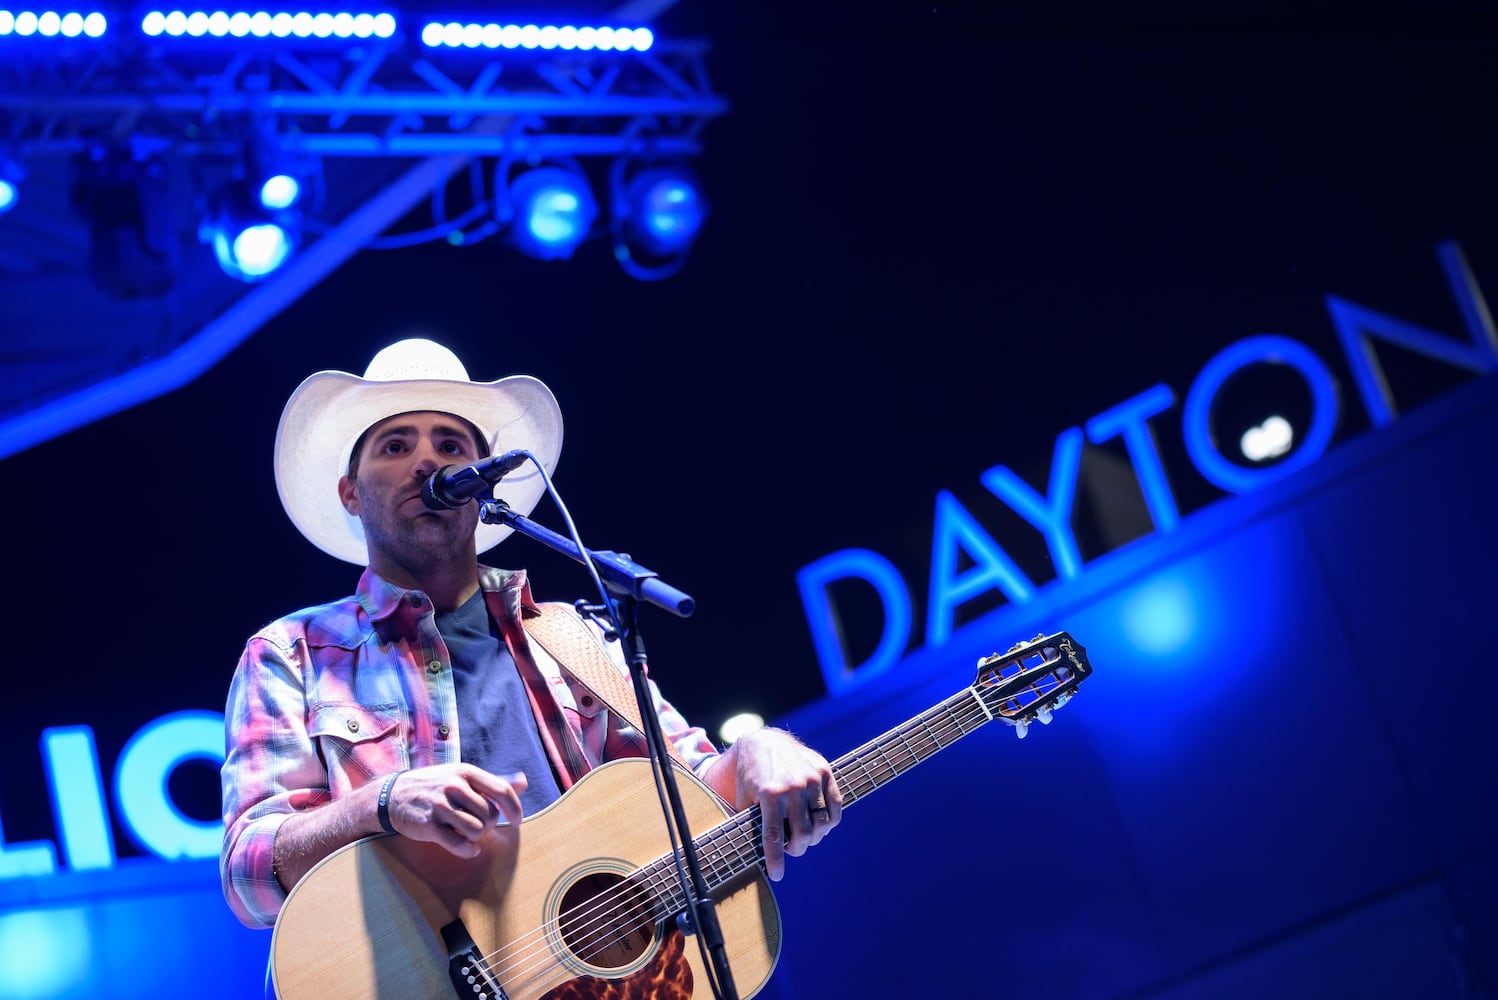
{"type": "Point", "coordinates": [396, 609]}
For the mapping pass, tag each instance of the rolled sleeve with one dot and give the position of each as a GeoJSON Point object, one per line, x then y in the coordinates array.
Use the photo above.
{"type": "Point", "coordinates": [271, 770]}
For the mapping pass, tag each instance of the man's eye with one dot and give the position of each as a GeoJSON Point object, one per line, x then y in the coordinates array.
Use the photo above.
{"type": "Point", "coordinates": [453, 447]}
{"type": "Point", "coordinates": [394, 447]}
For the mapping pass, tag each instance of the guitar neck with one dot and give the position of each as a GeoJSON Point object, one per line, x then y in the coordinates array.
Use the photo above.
{"type": "Point", "coordinates": [886, 757]}
{"type": "Point", "coordinates": [735, 847]}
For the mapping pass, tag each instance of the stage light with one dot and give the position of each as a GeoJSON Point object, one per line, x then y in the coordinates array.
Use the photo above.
{"type": "Point", "coordinates": [282, 181]}
{"type": "Point", "coordinates": [550, 209]}
{"type": "Point", "coordinates": [133, 245]}
{"type": "Point", "coordinates": [51, 23]}
{"type": "Point", "coordinates": [664, 210]}
{"type": "Point", "coordinates": [250, 241]}
{"type": "Point", "coordinates": [546, 37]}
{"type": "Point", "coordinates": [657, 213]}
{"type": "Point", "coordinates": [1271, 439]}
{"type": "Point", "coordinates": [266, 24]}
{"type": "Point", "coordinates": [11, 176]}
{"type": "Point", "coordinates": [280, 190]}
{"type": "Point", "coordinates": [737, 726]}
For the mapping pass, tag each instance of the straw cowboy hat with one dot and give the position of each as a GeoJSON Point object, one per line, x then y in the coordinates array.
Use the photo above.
{"type": "Point", "coordinates": [330, 409]}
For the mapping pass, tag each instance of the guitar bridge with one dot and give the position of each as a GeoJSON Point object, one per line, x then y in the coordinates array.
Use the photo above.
{"type": "Point", "coordinates": [467, 969]}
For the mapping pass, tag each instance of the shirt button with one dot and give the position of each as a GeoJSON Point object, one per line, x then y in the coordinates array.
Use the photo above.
{"type": "Point", "coordinates": [587, 701]}
{"type": "Point", "coordinates": [417, 601]}
{"type": "Point", "coordinates": [442, 731]}
{"type": "Point", "coordinates": [353, 725]}
{"type": "Point", "coordinates": [435, 667]}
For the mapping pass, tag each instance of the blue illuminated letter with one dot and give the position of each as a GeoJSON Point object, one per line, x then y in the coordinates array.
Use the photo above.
{"type": "Point", "coordinates": [1197, 420]}
{"type": "Point", "coordinates": [28, 860]}
{"type": "Point", "coordinates": [78, 797]}
{"type": "Point", "coordinates": [1051, 513]}
{"type": "Point", "coordinates": [1131, 419]}
{"type": "Point", "coordinates": [956, 528]}
{"type": "Point", "coordinates": [826, 627]}
{"type": "Point", "coordinates": [140, 784]}
{"type": "Point", "coordinates": [1357, 325]}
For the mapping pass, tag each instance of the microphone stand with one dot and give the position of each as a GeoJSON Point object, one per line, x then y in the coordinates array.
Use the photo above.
{"type": "Point", "coordinates": [630, 582]}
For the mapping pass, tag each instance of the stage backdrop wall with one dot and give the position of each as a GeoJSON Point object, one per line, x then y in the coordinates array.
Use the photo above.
{"type": "Point", "coordinates": [1277, 783]}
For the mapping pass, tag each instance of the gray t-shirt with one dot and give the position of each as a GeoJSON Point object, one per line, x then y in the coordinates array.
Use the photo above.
{"type": "Point", "coordinates": [495, 725]}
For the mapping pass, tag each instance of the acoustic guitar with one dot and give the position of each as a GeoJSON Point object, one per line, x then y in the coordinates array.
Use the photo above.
{"type": "Point", "coordinates": [584, 900]}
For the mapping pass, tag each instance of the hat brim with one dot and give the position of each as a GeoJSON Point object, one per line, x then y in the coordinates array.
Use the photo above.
{"type": "Point", "coordinates": [330, 410]}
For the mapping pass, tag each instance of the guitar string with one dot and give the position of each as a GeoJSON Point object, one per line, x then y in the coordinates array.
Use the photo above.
{"type": "Point", "coordinates": [739, 831]}
{"type": "Point", "coordinates": [525, 962]}
{"type": "Point", "coordinates": [735, 829]}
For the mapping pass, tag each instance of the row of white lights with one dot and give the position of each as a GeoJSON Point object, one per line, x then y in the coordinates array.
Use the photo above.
{"type": "Point", "coordinates": [263, 24]}
{"type": "Point", "coordinates": [52, 23]}
{"type": "Point", "coordinates": [533, 36]}
{"type": "Point", "coordinates": [305, 24]}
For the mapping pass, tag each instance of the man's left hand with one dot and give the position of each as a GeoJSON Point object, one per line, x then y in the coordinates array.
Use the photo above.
{"type": "Point", "coordinates": [793, 786]}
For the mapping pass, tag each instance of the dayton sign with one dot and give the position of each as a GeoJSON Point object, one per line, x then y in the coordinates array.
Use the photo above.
{"type": "Point", "coordinates": [957, 531]}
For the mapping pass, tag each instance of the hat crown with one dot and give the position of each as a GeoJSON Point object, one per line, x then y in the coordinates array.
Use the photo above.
{"type": "Point", "coordinates": [415, 358]}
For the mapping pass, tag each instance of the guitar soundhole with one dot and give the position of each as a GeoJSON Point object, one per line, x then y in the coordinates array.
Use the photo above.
{"type": "Point", "coordinates": [605, 921]}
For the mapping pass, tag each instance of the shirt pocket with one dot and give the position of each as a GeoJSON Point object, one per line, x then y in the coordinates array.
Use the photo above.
{"type": "Point", "coordinates": [358, 742]}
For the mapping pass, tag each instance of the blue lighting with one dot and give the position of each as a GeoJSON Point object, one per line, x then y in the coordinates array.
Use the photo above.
{"type": "Point", "coordinates": [280, 191]}
{"type": "Point", "coordinates": [266, 24]}
{"type": "Point", "coordinates": [249, 241]}
{"type": "Point", "coordinates": [52, 24]}
{"type": "Point", "coordinates": [1160, 617]}
{"type": "Point", "coordinates": [45, 952]}
{"type": "Point", "coordinates": [145, 766]}
{"type": "Point", "coordinates": [456, 35]}
{"type": "Point", "coordinates": [254, 251]}
{"type": "Point", "coordinates": [9, 194]}
{"type": "Point", "coordinates": [1196, 420]}
{"type": "Point", "coordinates": [665, 210]}
{"type": "Point", "coordinates": [826, 626]}
{"type": "Point", "coordinates": [554, 212]}
{"type": "Point", "coordinates": [78, 797]}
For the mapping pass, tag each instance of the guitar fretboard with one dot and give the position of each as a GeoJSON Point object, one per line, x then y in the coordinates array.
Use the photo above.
{"type": "Point", "coordinates": [733, 848]}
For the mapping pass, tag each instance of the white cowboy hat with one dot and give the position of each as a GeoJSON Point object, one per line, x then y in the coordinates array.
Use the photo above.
{"type": "Point", "coordinates": [330, 409]}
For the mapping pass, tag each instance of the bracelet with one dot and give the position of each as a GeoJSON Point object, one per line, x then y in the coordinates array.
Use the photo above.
{"type": "Point", "coordinates": [384, 809]}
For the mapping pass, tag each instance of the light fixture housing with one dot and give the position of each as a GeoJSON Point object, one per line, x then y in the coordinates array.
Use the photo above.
{"type": "Point", "coordinates": [133, 243]}
{"type": "Point", "coordinates": [250, 241]}
{"type": "Point", "coordinates": [549, 209]}
{"type": "Point", "coordinates": [657, 213]}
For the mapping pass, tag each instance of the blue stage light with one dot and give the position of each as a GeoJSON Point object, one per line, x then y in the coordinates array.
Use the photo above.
{"type": "Point", "coordinates": [51, 23]}
{"type": "Point", "coordinates": [663, 210]}
{"type": "Point", "coordinates": [9, 194]}
{"type": "Point", "coordinates": [470, 35]}
{"type": "Point", "coordinates": [280, 191]}
{"type": "Point", "coordinates": [249, 241]}
{"type": "Point", "coordinates": [266, 24]}
{"type": "Point", "coordinates": [552, 210]}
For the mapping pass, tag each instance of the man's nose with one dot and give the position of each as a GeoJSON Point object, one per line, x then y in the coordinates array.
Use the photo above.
{"type": "Point", "coordinates": [424, 461]}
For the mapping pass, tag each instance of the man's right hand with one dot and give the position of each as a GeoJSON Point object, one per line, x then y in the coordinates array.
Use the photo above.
{"type": "Point", "coordinates": [454, 805]}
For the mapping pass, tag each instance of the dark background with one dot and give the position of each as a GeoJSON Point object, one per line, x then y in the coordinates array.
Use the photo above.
{"type": "Point", "coordinates": [939, 237]}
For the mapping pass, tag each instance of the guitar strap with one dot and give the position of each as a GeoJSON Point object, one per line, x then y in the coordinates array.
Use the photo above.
{"type": "Point", "coordinates": [578, 648]}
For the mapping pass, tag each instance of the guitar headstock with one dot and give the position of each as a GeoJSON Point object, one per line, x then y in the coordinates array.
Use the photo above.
{"type": "Point", "coordinates": [1032, 679]}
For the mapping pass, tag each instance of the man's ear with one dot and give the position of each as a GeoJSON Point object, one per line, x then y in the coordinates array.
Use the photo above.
{"type": "Point", "coordinates": [348, 495]}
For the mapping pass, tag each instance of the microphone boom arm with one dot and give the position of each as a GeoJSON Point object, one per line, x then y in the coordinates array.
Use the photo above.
{"type": "Point", "coordinates": [618, 572]}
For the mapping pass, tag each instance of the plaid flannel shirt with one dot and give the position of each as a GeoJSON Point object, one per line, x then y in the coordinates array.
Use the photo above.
{"type": "Point", "coordinates": [335, 696]}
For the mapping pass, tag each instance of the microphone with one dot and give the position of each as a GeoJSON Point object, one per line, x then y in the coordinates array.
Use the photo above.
{"type": "Point", "coordinates": [451, 486]}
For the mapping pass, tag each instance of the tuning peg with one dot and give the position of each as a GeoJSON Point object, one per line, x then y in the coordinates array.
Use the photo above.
{"type": "Point", "coordinates": [1020, 729]}
{"type": "Point", "coordinates": [1044, 715]}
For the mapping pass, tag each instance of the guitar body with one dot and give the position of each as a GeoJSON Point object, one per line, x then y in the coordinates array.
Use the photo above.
{"type": "Point", "coordinates": [377, 919]}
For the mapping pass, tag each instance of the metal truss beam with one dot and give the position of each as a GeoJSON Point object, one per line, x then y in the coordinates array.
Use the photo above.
{"type": "Point", "coordinates": [380, 98]}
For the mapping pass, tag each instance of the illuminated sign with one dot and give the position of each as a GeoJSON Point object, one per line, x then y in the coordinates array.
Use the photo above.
{"type": "Point", "coordinates": [141, 797]}
{"type": "Point", "coordinates": [956, 532]}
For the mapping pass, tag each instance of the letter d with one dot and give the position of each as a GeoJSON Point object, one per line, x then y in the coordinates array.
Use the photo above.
{"type": "Point", "coordinates": [826, 625]}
